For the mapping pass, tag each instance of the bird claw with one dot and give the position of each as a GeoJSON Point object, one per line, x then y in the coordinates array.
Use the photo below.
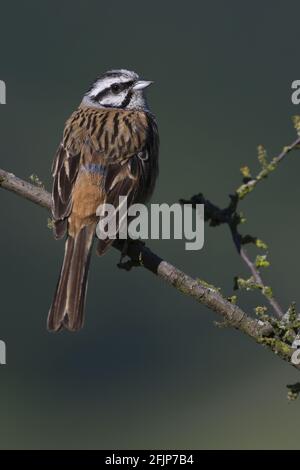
{"type": "Point", "coordinates": [130, 263]}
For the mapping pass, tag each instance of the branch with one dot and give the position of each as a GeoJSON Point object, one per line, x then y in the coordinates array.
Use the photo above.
{"type": "Point", "coordinates": [258, 279]}
{"type": "Point", "coordinates": [268, 168]}
{"type": "Point", "coordinates": [229, 216]}
{"type": "Point", "coordinates": [24, 189]}
{"type": "Point", "coordinates": [217, 216]}
{"type": "Point", "coordinates": [261, 331]}
{"type": "Point", "coordinates": [238, 242]}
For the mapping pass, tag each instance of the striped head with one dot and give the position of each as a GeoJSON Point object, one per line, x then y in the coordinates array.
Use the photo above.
{"type": "Point", "coordinates": [117, 89]}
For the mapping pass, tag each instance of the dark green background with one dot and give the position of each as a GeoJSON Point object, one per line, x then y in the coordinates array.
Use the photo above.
{"type": "Point", "coordinates": [150, 369]}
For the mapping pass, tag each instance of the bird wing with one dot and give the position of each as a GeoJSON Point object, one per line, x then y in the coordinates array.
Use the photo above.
{"type": "Point", "coordinates": [65, 169]}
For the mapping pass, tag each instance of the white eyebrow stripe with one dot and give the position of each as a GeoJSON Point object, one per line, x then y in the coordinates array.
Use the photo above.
{"type": "Point", "coordinates": [107, 82]}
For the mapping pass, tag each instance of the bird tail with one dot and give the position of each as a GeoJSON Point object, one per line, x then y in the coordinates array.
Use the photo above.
{"type": "Point", "coordinates": [67, 309]}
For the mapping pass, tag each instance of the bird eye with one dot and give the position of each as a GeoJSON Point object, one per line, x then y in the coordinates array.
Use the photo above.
{"type": "Point", "coordinates": [115, 88]}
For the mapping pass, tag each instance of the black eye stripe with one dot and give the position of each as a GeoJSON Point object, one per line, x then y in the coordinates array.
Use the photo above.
{"type": "Point", "coordinates": [107, 90]}
{"type": "Point", "coordinates": [122, 86]}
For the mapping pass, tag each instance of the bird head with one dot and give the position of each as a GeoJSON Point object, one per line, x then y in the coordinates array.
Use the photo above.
{"type": "Point", "coordinates": [118, 89]}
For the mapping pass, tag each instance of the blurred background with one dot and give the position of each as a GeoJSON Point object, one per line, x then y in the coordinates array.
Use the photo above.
{"type": "Point", "coordinates": [150, 369]}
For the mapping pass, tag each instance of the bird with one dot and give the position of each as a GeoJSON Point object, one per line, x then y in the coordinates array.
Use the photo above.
{"type": "Point", "coordinates": [109, 148]}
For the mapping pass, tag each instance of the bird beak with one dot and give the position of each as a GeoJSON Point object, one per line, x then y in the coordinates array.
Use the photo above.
{"type": "Point", "coordinates": [141, 84]}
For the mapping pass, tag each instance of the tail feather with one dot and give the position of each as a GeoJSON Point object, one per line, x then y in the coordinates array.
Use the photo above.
{"type": "Point", "coordinates": [67, 309]}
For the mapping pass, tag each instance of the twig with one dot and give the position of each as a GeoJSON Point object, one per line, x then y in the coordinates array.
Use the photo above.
{"type": "Point", "coordinates": [237, 239]}
{"type": "Point", "coordinates": [247, 187]}
{"type": "Point", "coordinates": [258, 279]}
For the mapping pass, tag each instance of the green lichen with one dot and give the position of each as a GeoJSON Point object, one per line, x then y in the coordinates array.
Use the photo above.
{"type": "Point", "coordinates": [288, 336]}
{"type": "Point", "coordinates": [262, 156]}
{"type": "Point", "coordinates": [267, 292]}
{"type": "Point", "coordinates": [245, 189]}
{"type": "Point", "coordinates": [261, 261]}
{"type": "Point", "coordinates": [245, 170]}
{"type": "Point", "coordinates": [278, 347]}
{"type": "Point", "coordinates": [293, 391]}
{"type": "Point", "coordinates": [260, 244]}
{"type": "Point", "coordinates": [247, 284]}
{"type": "Point", "coordinates": [261, 311]}
{"type": "Point", "coordinates": [292, 313]}
{"type": "Point", "coordinates": [209, 286]}
{"type": "Point", "coordinates": [296, 122]}
{"type": "Point", "coordinates": [36, 181]}
{"type": "Point", "coordinates": [267, 170]}
{"type": "Point", "coordinates": [272, 166]}
{"type": "Point", "coordinates": [232, 299]}
{"type": "Point", "coordinates": [50, 223]}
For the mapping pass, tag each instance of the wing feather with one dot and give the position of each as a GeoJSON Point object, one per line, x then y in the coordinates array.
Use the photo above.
{"type": "Point", "coordinates": [65, 170]}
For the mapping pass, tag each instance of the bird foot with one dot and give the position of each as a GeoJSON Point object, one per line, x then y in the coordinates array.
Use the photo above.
{"type": "Point", "coordinates": [130, 263]}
